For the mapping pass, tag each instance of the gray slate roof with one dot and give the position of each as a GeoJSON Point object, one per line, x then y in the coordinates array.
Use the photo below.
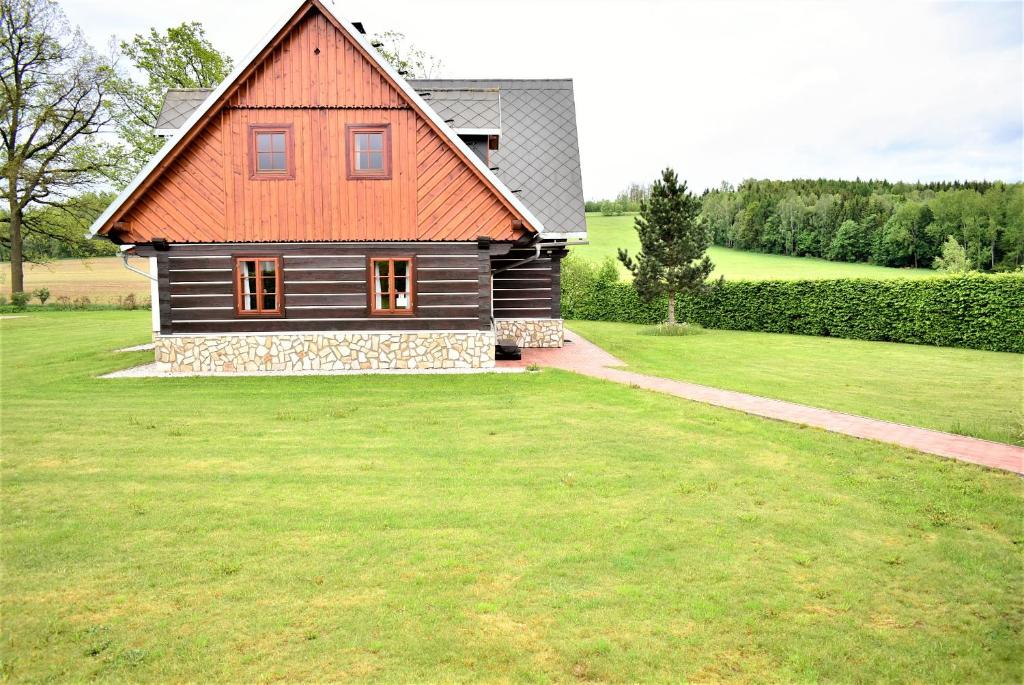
{"type": "Point", "coordinates": [466, 107]}
{"type": "Point", "coordinates": [179, 103]}
{"type": "Point", "coordinates": [539, 155]}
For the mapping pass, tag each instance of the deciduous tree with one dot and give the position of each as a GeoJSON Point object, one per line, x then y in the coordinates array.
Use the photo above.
{"type": "Point", "coordinates": [53, 103]}
{"type": "Point", "coordinates": [180, 57]}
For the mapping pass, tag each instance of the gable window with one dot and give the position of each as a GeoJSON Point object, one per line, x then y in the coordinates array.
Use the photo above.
{"type": "Point", "coordinates": [258, 285]}
{"type": "Point", "coordinates": [369, 150]}
{"type": "Point", "coordinates": [271, 151]}
{"type": "Point", "coordinates": [391, 285]}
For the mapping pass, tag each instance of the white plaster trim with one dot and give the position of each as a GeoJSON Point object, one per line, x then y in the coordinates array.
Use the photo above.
{"type": "Point", "coordinates": [158, 370]}
{"type": "Point", "coordinates": [288, 334]}
{"type": "Point", "coordinates": [154, 295]}
{"type": "Point", "coordinates": [477, 131]}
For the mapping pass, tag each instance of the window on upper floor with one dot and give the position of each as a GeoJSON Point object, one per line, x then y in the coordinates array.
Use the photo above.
{"type": "Point", "coordinates": [391, 285]}
{"type": "Point", "coordinates": [271, 151]}
{"type": "Point", "coordinates": [369, 151]}
{"type": "Point", "coordinates": [258, 285]}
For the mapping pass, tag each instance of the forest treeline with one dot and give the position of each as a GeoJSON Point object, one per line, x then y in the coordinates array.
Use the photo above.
{"type": "Point", "coordinates": [881, 222]}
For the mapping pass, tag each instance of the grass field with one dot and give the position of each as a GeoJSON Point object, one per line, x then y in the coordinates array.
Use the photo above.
{"type": "Point", "coordinates": [971, 392]}
{"type": "Point", "coordinates": [608, 233]}
{"type": "Point", "coordinates": [540, 527]}
{"type": "Point", "coordinates": [103, 280]}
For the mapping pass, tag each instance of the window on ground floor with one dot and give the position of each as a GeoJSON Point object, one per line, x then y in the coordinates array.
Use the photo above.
{"type": "Point", "coordinates": [258, 285]}
{"type": "Point", "coordinates": [391, 285]}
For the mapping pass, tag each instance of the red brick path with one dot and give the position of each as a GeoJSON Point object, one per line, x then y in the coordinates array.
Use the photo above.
{"type": "Point", "coordinates": [584, 357]}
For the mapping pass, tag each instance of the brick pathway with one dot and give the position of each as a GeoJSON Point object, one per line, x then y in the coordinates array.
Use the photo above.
{"type": "Point", "coordinates": [582, 356]}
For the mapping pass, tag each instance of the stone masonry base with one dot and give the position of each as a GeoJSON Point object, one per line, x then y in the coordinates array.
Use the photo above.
{"type": "Point", "coordinates": [532, 332]}
{"type": "Point", "coordinates": [334, 351]}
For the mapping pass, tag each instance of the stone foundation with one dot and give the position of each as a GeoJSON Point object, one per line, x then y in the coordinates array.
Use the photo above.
{"type": "Point", "coordinates": [340, 351]}
{"type": "Point", "coordinates": [531, 332]}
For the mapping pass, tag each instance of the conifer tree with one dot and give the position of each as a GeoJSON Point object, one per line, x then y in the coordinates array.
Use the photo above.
{"type": "Point", "coordinates": [673, 241]}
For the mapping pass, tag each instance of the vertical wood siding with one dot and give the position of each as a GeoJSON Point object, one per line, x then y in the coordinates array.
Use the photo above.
{"type": "Point", "coordinates": [316, 81]}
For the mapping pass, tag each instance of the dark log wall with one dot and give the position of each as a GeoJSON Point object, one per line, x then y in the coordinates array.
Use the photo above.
{"type": "Point", "coordinates": [530, 291]}
{"type": "Point", "coordinates": [325, 287]}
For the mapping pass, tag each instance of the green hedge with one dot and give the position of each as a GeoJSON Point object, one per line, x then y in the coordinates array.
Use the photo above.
{"type": "Point", "coordinates": [978, 311]}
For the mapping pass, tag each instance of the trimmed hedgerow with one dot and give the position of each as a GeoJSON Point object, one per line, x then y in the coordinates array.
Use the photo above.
{"type": "Point", "coordinates": [978, 311]}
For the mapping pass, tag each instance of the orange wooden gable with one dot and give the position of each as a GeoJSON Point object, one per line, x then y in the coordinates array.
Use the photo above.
{"type": "Point", "coordinates": [315, 79]}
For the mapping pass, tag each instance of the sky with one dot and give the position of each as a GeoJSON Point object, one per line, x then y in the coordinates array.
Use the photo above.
{"type": "Point", "coordinates": [721, 91]}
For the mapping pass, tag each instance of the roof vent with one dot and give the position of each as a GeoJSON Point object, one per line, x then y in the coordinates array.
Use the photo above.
{"type": "Point", "coordinates": [359, 27]}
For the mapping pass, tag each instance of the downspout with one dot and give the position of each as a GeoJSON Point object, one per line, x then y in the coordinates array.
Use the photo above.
{"type": "Point", "coordinates": [124, 259]}
{"type": "Point", "coordinates": [154, 287]}
{"type": "Point", "coordinates": [534, 257]}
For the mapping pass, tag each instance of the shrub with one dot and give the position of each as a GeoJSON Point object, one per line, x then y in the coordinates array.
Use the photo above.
{"type": "Point", "coordinates": [20, 301]}
{"type": "Point", "coordinates": [63, 302]}
{"type": "Point", "coordinates": [82, 302]}
{"type": "Point", "coordinates": [128, 302]}
{"type": "Point", "coordinates": [975, 310]}
{"type": "Point", "coordinates": [42, 294]}
{"type": "Point", "coordinates": [673, 329]}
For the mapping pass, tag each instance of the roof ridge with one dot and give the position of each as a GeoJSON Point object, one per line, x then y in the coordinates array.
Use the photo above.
{"type": "Point", "coordinates": [156, 163]}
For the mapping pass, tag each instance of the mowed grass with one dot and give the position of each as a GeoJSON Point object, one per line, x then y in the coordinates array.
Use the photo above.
{"type": "Point", "coordinates": [540, 527]}
{"type": "Point", "coordinates": [103, 279]}
{"type": "Point", "coordinates": [608, 233]}
{"type": "Point", "coordinates": [971, 392]}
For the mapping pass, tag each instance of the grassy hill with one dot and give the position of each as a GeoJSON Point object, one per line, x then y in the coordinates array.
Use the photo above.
{"type": "Point", "coordinates": [609, 233]}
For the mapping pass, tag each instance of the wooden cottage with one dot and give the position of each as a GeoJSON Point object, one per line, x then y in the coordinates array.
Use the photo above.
{"type": "Point", "coordinates": [318, 210]}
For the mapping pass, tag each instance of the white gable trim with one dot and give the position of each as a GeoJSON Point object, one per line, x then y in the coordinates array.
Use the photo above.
{"type": "Point", "coordinates": [157, 162]}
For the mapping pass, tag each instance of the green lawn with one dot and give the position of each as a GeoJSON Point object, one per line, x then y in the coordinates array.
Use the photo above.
{"type": "Point", "coordinates": [971, 392]}
{"type": "Point", "coordinates": [608, 233]}
{"type": "Point", "coordinates": [541, 527]}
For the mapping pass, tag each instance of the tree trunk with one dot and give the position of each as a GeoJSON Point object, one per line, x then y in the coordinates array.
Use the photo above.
{"type": "Point", "coordinates": [671, 309]}
{"type": "Point", "coordinates": [17, 275]}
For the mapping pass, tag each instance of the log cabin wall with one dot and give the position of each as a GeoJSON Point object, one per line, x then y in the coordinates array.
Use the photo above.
{"type": "Point", "coordinates": [530, 291]}
{"type": "Point", "coordinates": [325, 287]}
{"type": "Point", "coordinates": [314, 82]}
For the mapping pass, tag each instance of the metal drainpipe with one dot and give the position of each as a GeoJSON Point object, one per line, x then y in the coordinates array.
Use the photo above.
{"type": "Point", "coordinates": [536, 255]}
{"type": "Point", "coordinates": [124, 259]}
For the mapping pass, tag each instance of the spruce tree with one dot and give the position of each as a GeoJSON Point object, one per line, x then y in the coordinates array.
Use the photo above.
{"type": "Point", "coordinates": [673, 240]}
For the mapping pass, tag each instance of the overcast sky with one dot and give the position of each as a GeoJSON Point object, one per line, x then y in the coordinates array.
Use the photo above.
{"type": "Point", "coordinates": [719, 90]}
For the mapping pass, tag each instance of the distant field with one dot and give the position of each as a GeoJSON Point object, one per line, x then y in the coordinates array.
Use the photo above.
{"type": "Point", "coordinates": [102, 280]}
{"type": "Point", "coordinates": [609, 233]}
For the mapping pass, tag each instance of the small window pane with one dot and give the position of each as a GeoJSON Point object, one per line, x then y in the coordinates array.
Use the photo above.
{"type": "Point", "coordinates": [375, 141]}
{"type": "Point", "coordinates": [269, 301]}
{"type": "Point", "coordinates": [270, 152]}
{"type": "Point", "coordinates": [383, 300]}
{"type": "Point", "coordinates": [376, 161]}
{"type": "Point", "coordinates": [402, 300]}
